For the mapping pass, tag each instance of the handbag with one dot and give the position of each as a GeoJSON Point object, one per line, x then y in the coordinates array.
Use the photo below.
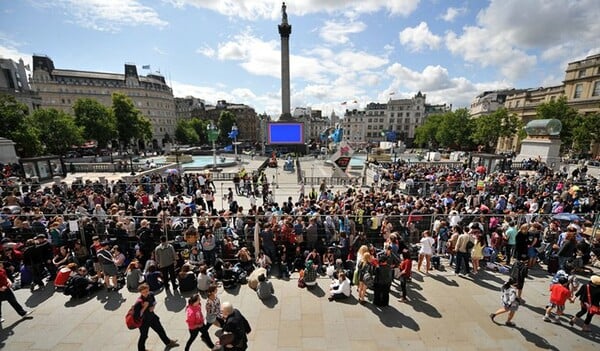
{"type": "Point", "coordinates": [592, 309]}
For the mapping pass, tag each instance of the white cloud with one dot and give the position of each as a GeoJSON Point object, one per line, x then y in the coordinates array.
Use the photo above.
{"type": "Point", "coordinates": [436, 83]}
{"type": "Point", "coordinates": [261, 9]}
{"type": "Point", "coordinates": [107, 15]}
{"type": "Point", "coordinates": [159, 51]}
{"type": "Point", "coordinates": [337, 32]}
{"type": "Point", "coordinates": [510, 34]}
{"type": "Point", "coordinates": [480, 46]}
{"type": "Point", "coordinates": [452, 13]}
{"type": "Point", "coordinates": [419, 37]}
{"type": "Point", "coordinates": [10, 49]}
{"type": "Point", "coordinates": [206, 51]}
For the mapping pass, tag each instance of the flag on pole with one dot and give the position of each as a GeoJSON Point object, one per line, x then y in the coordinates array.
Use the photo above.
{"type": "Point", "coordinates": [146, 67]}
{"type": "Point", "coordinates": [343, 103]}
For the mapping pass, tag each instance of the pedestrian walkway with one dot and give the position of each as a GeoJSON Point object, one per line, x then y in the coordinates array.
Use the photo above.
{"type": "Point", "coordinates": [445, 312]}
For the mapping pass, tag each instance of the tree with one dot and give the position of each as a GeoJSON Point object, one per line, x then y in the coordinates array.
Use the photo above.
{"type": "Point", "coordinates": [487, 129]}
{"type": "Point", "coordinates": [455, 130]}
{"type": "Point", "coordinates": [185, 133]}
{"type": "Point", "coordinates": [97, 121]}
{"type": "Point", "coordinates": [58, 131]}
{"type": "Point", "coordinates": [586, 132]}
{"type": "Point", "coordinates": [130, 123]}
{"type": "Point", "coordinates": [226, 121]}
{"type": "Point", "coordinates": [568, 116]}
{"type": "Point", "coordinates": [425, 134]}
{"type": "Point", "coordinates": [13, 126]}
{"type": "Point", "coordinates": [200, 127]}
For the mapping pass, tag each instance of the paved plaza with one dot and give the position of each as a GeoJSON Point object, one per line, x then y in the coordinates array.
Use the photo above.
{"type": "Point", "coordinates": [445, 312]}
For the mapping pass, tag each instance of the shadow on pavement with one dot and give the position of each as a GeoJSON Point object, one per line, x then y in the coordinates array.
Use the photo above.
{"type": "Point", "coordinates": [392, 318]}
{"type": "Point", "coordinates": [442, 279]}
{"type": "Point", "coordinates": [40, 295]}
{"type": "Point", "coordinates": [5, 332]}
{"type": "Point", "coordinates": [417, 302]}
{"type": "Point", "coordinates": [174, 302]}
{"type": "Point", "coordinates": [316, 290]}
{"type": "Point", "coordinates": [535, 339]}
{"type": "Point", "coordinates": [111, 300]}
{"type": "Point", "coordinates": [271, 302]}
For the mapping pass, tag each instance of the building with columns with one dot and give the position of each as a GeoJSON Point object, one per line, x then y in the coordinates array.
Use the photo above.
{"type": "Point", "coordinates": [60, 88]}
{"type": "Point", "coordinates": [581, 87]}
{"type": "Point", "coordinates": [401, 116]}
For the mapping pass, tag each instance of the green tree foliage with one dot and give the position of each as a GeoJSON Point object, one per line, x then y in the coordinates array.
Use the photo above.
{"type": "Point", "coordinates": [200, 127]}
{"type": "Point", "coordinates": [455, 130]}
{"type": "Point", "coordinates": [487, 129]}
{"type": "Point", "coordinates": [568, 116]}
{"type": "Point", "coordinates": [97, 121]}
{"type": "Point", "coordinates": [185, 133]}
{"type": "Point", "coordinates": [14, 126]}
{"type": "Point", "coordinates": [425, 134]}
{"type": "Point", "coordinates": [58, 131]}
{"type": "Point", "coordinates": [226, 121]}
{"type": "Point", "coordinates": [130, 123]}
{"type": "Point", "coordinates": [586, 132]}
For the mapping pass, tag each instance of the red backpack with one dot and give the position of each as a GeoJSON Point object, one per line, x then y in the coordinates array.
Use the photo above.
{"type": "Point", "coordinates": [130, 319]}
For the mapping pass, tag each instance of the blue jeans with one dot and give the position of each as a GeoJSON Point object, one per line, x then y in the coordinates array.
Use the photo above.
{"type": "Point", "coordinates": [460, 258]}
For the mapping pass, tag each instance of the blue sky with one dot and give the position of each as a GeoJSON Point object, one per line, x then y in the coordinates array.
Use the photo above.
{"type": "Point", "coordinates": [341, 50]}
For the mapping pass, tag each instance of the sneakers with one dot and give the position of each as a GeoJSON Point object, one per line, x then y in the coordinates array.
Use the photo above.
{"type": "Point", "coordinates": [173, 343]}
{"type": "Point", "coordinates": [27, 313]}
{"type": "Point", "coordinates": [546, 318]}
{"type": "Point", "coordinates": [492, 316]}
{"type": "Point", "coordinates": [510, 324]}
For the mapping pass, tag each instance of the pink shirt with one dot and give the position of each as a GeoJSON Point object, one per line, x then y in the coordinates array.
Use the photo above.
{"type": "Point", "coordinates": [194, 318]}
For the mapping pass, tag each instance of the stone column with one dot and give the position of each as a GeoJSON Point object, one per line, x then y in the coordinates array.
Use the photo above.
{"type": "Point", "coordinates": [285, 29]}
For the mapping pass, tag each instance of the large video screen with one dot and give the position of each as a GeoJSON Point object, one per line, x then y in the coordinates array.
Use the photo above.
{"type": "Point", "coordinates": [285, 133]}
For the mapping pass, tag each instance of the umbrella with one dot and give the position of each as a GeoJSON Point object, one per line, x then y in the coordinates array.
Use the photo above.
{"type": "Point", "coordinates": [567, 217]}
{"type": "Point", "coordinates": [172, 171]}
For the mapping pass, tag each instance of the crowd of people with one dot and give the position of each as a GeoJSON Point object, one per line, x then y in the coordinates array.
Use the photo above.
{"type": "Point", "coordinates": [166, 232]}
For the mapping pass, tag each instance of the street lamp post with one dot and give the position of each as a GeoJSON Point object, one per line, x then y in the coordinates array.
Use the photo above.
{"type": "Point", "coordinates": [234, 133]}
{"type": "Point", "coordinates": [131, 164]}
{"type": "Point", "coordinates": [213, 134]}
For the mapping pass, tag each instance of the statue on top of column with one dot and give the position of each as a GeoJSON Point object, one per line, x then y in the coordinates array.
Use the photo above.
{"type": "Point", "coordinates": [283, 14]}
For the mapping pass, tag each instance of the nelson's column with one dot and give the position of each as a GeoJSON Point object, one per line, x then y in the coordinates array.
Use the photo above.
{"type": "Point", "coordinates": [285, 29]}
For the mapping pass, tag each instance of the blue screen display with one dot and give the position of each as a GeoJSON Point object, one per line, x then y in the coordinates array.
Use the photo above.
{"type": "Point", "coordinates": [286, 133]}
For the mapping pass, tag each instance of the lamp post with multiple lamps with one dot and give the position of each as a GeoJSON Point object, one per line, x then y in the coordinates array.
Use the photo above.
{"type": "Point", "coordinates": [213, 134]}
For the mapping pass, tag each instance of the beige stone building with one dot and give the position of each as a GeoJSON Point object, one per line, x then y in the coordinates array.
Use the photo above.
{"type": "Point", "coordinates": [246, 118]}
{"type": "Point", "coordinates": [402, 116]}
{"type": "Point", "coordinates": [581, 87]}
{"type": "Point", "coordinates": [60, 88]}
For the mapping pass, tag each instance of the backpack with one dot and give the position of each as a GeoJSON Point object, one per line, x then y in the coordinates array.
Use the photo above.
{"type": "Point", "coordinates": [69, 288]}
{"type": "Point", "coordinates": [470, 245]}
{"type": "Point", "coordinates": [130, 320]}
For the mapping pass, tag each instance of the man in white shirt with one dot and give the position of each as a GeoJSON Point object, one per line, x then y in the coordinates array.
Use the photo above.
{"type": "Point", "coordinates": [341, 289]}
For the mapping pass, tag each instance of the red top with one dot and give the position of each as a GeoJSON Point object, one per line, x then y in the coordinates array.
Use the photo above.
{"type": "Point", "coordinates": [406, 265]}
{"type": "Point", "coordinates": [3, 278]}
{"type": "Point", "coordinates": [194, 319]}
{"type": "Point", "coordinates": [559, 294]}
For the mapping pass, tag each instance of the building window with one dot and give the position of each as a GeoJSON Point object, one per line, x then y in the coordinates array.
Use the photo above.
{"type": "Point", "coordinates": [517, 103]}
{"type": "Point", "coordinates": [578, 91]}
{"type": "Point", "coordinates": [581, 73]}
{"type": "Point", "coordinates": [596, 91]}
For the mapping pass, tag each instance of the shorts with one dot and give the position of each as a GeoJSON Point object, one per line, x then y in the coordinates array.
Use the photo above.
{"type": "Point", "coordinates": [532, 252]}
{"type": "Point", "coordinates": [559, 308]}
{"type": "Point", "coordinates": [511, 307]}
